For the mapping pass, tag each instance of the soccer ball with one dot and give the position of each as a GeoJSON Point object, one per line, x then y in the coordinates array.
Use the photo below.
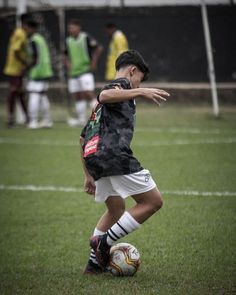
{"type": "Point", "coordinates": [124, 260]}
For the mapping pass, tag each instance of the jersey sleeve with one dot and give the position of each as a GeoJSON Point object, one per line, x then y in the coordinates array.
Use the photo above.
{"type": "Point", "coordinates": [121, 83]}
{"type": "Point", "coordinates": [121, 43]}
{"type": "Point", "coordinates": [116, 84]}
{"type": "Point", "coordinates": [18, 40]}
{"type": "Point", "coordinates": [107, 87]}
{"type": "Point", "coordinates": [92, 42]}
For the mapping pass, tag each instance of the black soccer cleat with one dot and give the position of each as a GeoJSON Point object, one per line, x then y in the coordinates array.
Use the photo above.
{"type": "Point", "coordinates": [92, 269]}
{"type": "Point", "coordinates": [101, 249]}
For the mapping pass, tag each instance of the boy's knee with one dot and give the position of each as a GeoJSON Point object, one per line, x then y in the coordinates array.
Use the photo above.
{"type": "Point", "coordinates": [160, 203]}
{"type": "Point", "coordinates": [120, 211]}
{"type": "Point", "coordinates": [157, 203]}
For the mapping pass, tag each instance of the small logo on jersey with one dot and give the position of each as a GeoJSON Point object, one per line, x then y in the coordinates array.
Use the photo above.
{"type": "Point", "coordinates": [147, 177]}
{"type": "Point", "coordinates": [95, 117]}
{"type": "Point", "coordinates": [91, 146]}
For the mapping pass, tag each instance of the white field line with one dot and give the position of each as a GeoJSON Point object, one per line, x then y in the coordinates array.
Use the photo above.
{"type": "Point", "coordinates": [187, 142]}
{"type": "Point", "coordinates": [229, 140]}
{"type": "Point", "coordinates": [197, 193]}
{"type": "Point", "coordinates": [64, 189]}
{"type": "Point", "coordinates": [8, 140]}
{"type": "Point", "coordinates": [41, 188]}
{"type": "Point", "coordinates": [181, 130]}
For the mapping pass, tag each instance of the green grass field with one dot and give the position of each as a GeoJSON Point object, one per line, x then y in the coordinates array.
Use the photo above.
{"type": "Point", "coordinates": [187, 248]}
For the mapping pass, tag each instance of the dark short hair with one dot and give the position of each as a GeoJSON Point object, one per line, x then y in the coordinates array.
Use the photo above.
{"type": "Point", "coordinates": [74, 21]}
{"type": "Point", "coordinates": [110, 26]}
{"type": "Point", "coordinates": [28, 20]}
{"type": "Point", "coordinates": [24, 18]}
{"type": "Point", "coordinates": [31, 23]}
{"type": "Point", "coordinates": [133, 57]}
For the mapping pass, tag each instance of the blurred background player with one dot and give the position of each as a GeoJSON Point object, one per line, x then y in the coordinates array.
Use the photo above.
{"type": "Point", "coordinates": [81, 57]}
{"type": "Point", "coordinates": [40, 70]}
{"type": "Point", "coordinates": [15, 67]}
{"type": "Point", "coordinates": [118, 44]}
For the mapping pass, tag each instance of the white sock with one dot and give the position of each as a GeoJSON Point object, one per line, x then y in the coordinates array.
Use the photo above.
{"type": "Point", "coordinates": [81, 110]}
{"type": "Point", "coordinates": [33, 106]}
{"type": "Point", "coordinates": [92, 257]}
{"type": "Point", "coordinates": [45, 105]}
{"type": "Point", "coordinates": [125, 225]}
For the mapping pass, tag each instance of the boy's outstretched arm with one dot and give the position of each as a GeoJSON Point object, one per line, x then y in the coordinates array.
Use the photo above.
{"type": "Point", "coordinates": [89, 183]}
{"type": "Point", "coordinates": [118, 95]}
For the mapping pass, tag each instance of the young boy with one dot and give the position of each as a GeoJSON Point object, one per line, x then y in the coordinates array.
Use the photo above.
{"type": "Point", "coordinates": [15, 68]}
{"type": "Point", "coordinates": [111, 171]}
{"type": "Point", "coordinates": [81, 57]}
{"type": "Point", "coordinates": [40, 72]}
{"type": "Point", "coordinates": [118, 44]}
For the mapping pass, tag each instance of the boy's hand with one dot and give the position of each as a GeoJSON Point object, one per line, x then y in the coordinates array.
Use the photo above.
{"type": "Point", "coordinates": [89, 185]}
{"type": "Point", "coordinates": [157, 95]}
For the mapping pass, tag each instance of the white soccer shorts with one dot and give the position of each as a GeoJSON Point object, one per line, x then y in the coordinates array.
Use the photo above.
{"type": "Point", "coordinates": [36, 86]}
{"type": "Point", "coordinates": [85, 82]}
{"type": "Point", "coordinates": [124, 185]}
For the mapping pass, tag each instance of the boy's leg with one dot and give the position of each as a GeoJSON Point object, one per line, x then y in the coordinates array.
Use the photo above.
{"type": "Point", "coordinates": [115, 209]}
{"type": "Point", "coordinates": [11, 102]}
{"type": "Point", "coordinates": [84, 86]}
{"type": "Point", "coordinates": [15, 88]}
{"type": "Point", "coordinates": [24, 105]}
{"type": "Point", "coordinates": [45, 106]}
{"type": "Point", "coordinates": [21, 98]}
{"type": "Point", "coordinates": [33, 107]}
{"type": "Point", "coordinates": [81, 109]}
{"type": "Point", "coordinates": [146, 205]}
{"type": "Point", "coordinates": [80, 103]}
{"type": "Point", "coordinates": [92, 266]}
{"type": "Point", "coordinates": [87, 83]}
{"type": "Point", "coordinates": [92, 257]}
{"type": "Point", "coordinates": [74, 87]}
{"type": "Point", "coordinates": [91, 98]}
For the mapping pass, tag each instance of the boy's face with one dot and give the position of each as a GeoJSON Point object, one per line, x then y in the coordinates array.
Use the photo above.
{"type": "Point", "coordinates": [29, 30]}
{"type": "Point", "coordinates": [109, 31]}
{"type": "Point", "coordinates": [136, 76]}
{"type": "Point", "coordinates": [73, 30]}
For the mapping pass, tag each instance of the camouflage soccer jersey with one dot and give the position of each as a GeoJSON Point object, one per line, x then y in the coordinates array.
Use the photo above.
{"type": "Point", "coordinates": [107, 137]}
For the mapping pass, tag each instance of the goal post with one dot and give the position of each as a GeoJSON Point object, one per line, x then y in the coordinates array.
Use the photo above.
{"type": "Point", "coordinates": [210, 59]}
